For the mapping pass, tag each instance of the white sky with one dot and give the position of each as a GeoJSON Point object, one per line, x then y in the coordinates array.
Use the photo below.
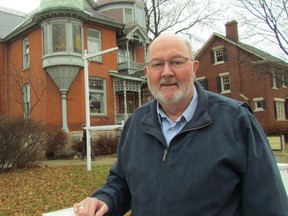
{"type": "Point", "coordinates": [21, 5]}
{"type": "Point", "coordinates": [29, 5]}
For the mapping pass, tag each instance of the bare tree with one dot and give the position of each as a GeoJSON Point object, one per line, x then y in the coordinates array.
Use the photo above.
{"type": "Point", "coordinates": [21, 79]}
{"type": "Point", "coordinates": [180, 16]}
{"type": "Point", "coordinates": [268, 20]}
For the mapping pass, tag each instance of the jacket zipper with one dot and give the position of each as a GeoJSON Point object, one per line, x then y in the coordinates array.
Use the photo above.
{"type": "Point", "coordinates": [166, 150]}
{"type": "Point", "coordinates": [165, 155]}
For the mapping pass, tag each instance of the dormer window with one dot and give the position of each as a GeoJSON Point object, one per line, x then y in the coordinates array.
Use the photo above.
{"type": "Point", "coordinates": [218, 55]}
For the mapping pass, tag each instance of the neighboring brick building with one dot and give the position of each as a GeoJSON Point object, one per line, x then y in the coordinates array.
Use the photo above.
{"type": "Point", "coordinates": [41, 70]}
{"type": "Point", "coordinates": [242, 72]}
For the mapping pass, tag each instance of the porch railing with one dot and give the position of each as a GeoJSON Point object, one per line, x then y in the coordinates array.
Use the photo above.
{"type": "Point", "coordinates": [121, 117]}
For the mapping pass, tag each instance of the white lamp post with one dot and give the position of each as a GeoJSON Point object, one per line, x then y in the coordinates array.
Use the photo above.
{"type": "Point", "coordinates": [87, 103]}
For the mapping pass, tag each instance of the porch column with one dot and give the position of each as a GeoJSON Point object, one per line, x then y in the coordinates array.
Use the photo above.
{"type": "Point", "coordinates": [115, 106]}
{"type": "Point", "coordinates": [128, 55]}
{"type": "Point", "coordinates": [139, 94]}
{"type": "Point", "coordinates": [125, 100]}
{"type": "Point", "coordinates": [64, 110]}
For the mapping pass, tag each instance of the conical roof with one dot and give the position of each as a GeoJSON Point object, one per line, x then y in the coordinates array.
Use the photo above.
{"type": "Point", "coordinates": [61, 4]}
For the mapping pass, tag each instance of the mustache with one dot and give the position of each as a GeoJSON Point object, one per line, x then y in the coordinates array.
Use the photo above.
{"type": "Point", "coordinates": [167, 81]}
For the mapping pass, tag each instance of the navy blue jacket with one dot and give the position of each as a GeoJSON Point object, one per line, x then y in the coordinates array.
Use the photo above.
{"type": "Point", "coordinates": [220, 164]}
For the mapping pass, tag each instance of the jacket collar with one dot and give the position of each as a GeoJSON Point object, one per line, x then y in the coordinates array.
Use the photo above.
{"type": "Point", "coordinates": [150, 122]}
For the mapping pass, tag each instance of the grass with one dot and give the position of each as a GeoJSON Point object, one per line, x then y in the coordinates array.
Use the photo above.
{"type": "Point", "coordinates": [31, 192]}
{"type": "Point", "coordinates": [44, 189]}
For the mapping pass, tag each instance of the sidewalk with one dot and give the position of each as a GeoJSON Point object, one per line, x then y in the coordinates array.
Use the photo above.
{"type": "Point", "coordinates": [281, 157]}
{"type": "Point", "coordinates": [98, 161]}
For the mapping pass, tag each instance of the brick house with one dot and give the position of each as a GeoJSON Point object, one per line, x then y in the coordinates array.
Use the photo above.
{"type": "Point", "coordinates": [242, 72]}
{"type": "Point", "coordinates": [41, 55]}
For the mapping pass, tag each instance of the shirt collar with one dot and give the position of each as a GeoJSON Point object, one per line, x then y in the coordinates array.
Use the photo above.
{"type": "Point", "coordinates": [188, 112]}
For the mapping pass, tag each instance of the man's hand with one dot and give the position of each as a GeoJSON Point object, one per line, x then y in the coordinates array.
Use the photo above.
{"type": "Point", "coordinates": [90, 207]}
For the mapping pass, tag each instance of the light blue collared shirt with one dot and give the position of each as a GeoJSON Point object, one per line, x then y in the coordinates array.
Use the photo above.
{"type": "Point", "coordinates": [170, 128]}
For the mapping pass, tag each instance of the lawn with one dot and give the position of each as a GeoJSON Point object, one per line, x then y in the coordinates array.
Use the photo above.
{"type": "Point", "coordinates": [34, 191]}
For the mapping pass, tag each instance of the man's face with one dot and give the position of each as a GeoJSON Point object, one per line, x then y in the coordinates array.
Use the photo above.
{"type": "Point", "coordinates": [170, 72]}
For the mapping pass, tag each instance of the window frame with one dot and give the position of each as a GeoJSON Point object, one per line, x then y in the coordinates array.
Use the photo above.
{"type": "Point", "coordinates": [57, 38]}
{"type": "Point", "coordinates": [48, 38]}
{"type": "Point", "coordinates": [214, 57]}
{"type": "Point", "coordinates": [280, 113]}
{"type": "Point", "coordinates": [26, 53]}
{"type": "Point", "coordinates": [26, 100]}
{"type": "Point", "coordinates": [203, 81]}
{"type": "Point", "coordinates": [259, 104]}
{"type": "Point", "coordinates": [222, 76]}
{"type": "Point", "coordinates": [97, 92]}
{"type": "Point", "coordinates": [93, 40]}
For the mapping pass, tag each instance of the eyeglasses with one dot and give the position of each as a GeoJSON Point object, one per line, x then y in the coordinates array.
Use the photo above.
{"type": "Point", "coordinates": [174, 63]}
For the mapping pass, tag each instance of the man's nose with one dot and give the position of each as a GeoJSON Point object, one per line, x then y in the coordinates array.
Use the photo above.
{"type": "Point", "coordinates": [167, 70]}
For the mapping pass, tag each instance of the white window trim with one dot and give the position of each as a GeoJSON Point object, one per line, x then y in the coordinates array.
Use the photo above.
{"type": "Point", "coordinates": [200, 78]}
{"type": "Point", "coordinates": [282, 114]}
{"type": "Point", "coordinates": [97, 58]}
{"type": "Point", "coordinates": [26, 100]}
{"type": "Point", "coordinates": [256, 108]}
{"type": "Point", "coordinates": [215, 57]}
{"type": "Point", "coordinates": [221, 75]}
{"type": "Point", "coordinates": [104, 114]}
{"type": "Point", "coordinates": [26, 55]}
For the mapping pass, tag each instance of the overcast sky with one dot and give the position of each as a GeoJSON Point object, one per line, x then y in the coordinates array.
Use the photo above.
{"type": "Point", "coordinates": [29, 5]}
{"type": "Point", "coordinates": [21, 5]}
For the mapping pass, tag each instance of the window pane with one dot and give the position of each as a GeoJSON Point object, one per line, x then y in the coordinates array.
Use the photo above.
{"type": "Point", "coordinates": [96, 103]}
{"type": "Point", "coordinates": [94, 42]}
{"type": "Point", "coordinates": [26, 100]}
{"type": "Point", "coordinates": [226, 83]}
{"type": "Point", "coordinates": [280, 110]}
{"type": "Point", "coordinates": [26, 56]}
{"type": "Point", "coordinates": [219, 55]}
{"type": "Point", "coordinates": [96, 84]}
{"type": "Point", "coordinates": [77, 40]}
{"type": "Point", "coordinates": [97, 97]}
{"type": "Point", "coordinates": [59, 37]}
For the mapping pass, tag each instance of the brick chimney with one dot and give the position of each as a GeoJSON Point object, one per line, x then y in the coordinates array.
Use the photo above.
{"type": "Point", "coordinates": [232, 30]}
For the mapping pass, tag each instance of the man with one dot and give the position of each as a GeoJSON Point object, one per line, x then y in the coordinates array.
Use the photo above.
{"type": "Point", "coordinates": [189, 152]}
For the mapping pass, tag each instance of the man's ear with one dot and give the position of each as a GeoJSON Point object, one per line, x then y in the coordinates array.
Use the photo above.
{"type": "Point", "coordinates": [195, 68]}
{"type": "Point", "coordinates": [145, 69]}
{"type": "Point", "coordinates": [195, 65]}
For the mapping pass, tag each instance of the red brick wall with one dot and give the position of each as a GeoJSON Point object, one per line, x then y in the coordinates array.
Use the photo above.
{"type": "Point", "coordinates": [49, 108]}
{"type": "Point", "coordinates": [2, 77]}
{"type": "Point", "coordinates": [244, 79]}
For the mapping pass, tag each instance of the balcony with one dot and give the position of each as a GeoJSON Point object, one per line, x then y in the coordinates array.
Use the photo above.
{"type": "Point", "coordinates": [130, 66]}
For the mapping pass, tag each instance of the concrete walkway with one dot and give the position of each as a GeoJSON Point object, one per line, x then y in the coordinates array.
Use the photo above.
{"type": "Point", "coordinates": [98, 161]}
{"type": "Point", "coordinates": [281, 157]}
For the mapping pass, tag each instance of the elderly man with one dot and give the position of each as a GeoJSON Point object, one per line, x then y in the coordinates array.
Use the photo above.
{"type": "Point", "coordinates": [189, 152]}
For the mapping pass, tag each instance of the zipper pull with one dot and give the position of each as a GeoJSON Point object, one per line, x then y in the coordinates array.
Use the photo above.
{"type": "Point", "coordinates": [165, 155]}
